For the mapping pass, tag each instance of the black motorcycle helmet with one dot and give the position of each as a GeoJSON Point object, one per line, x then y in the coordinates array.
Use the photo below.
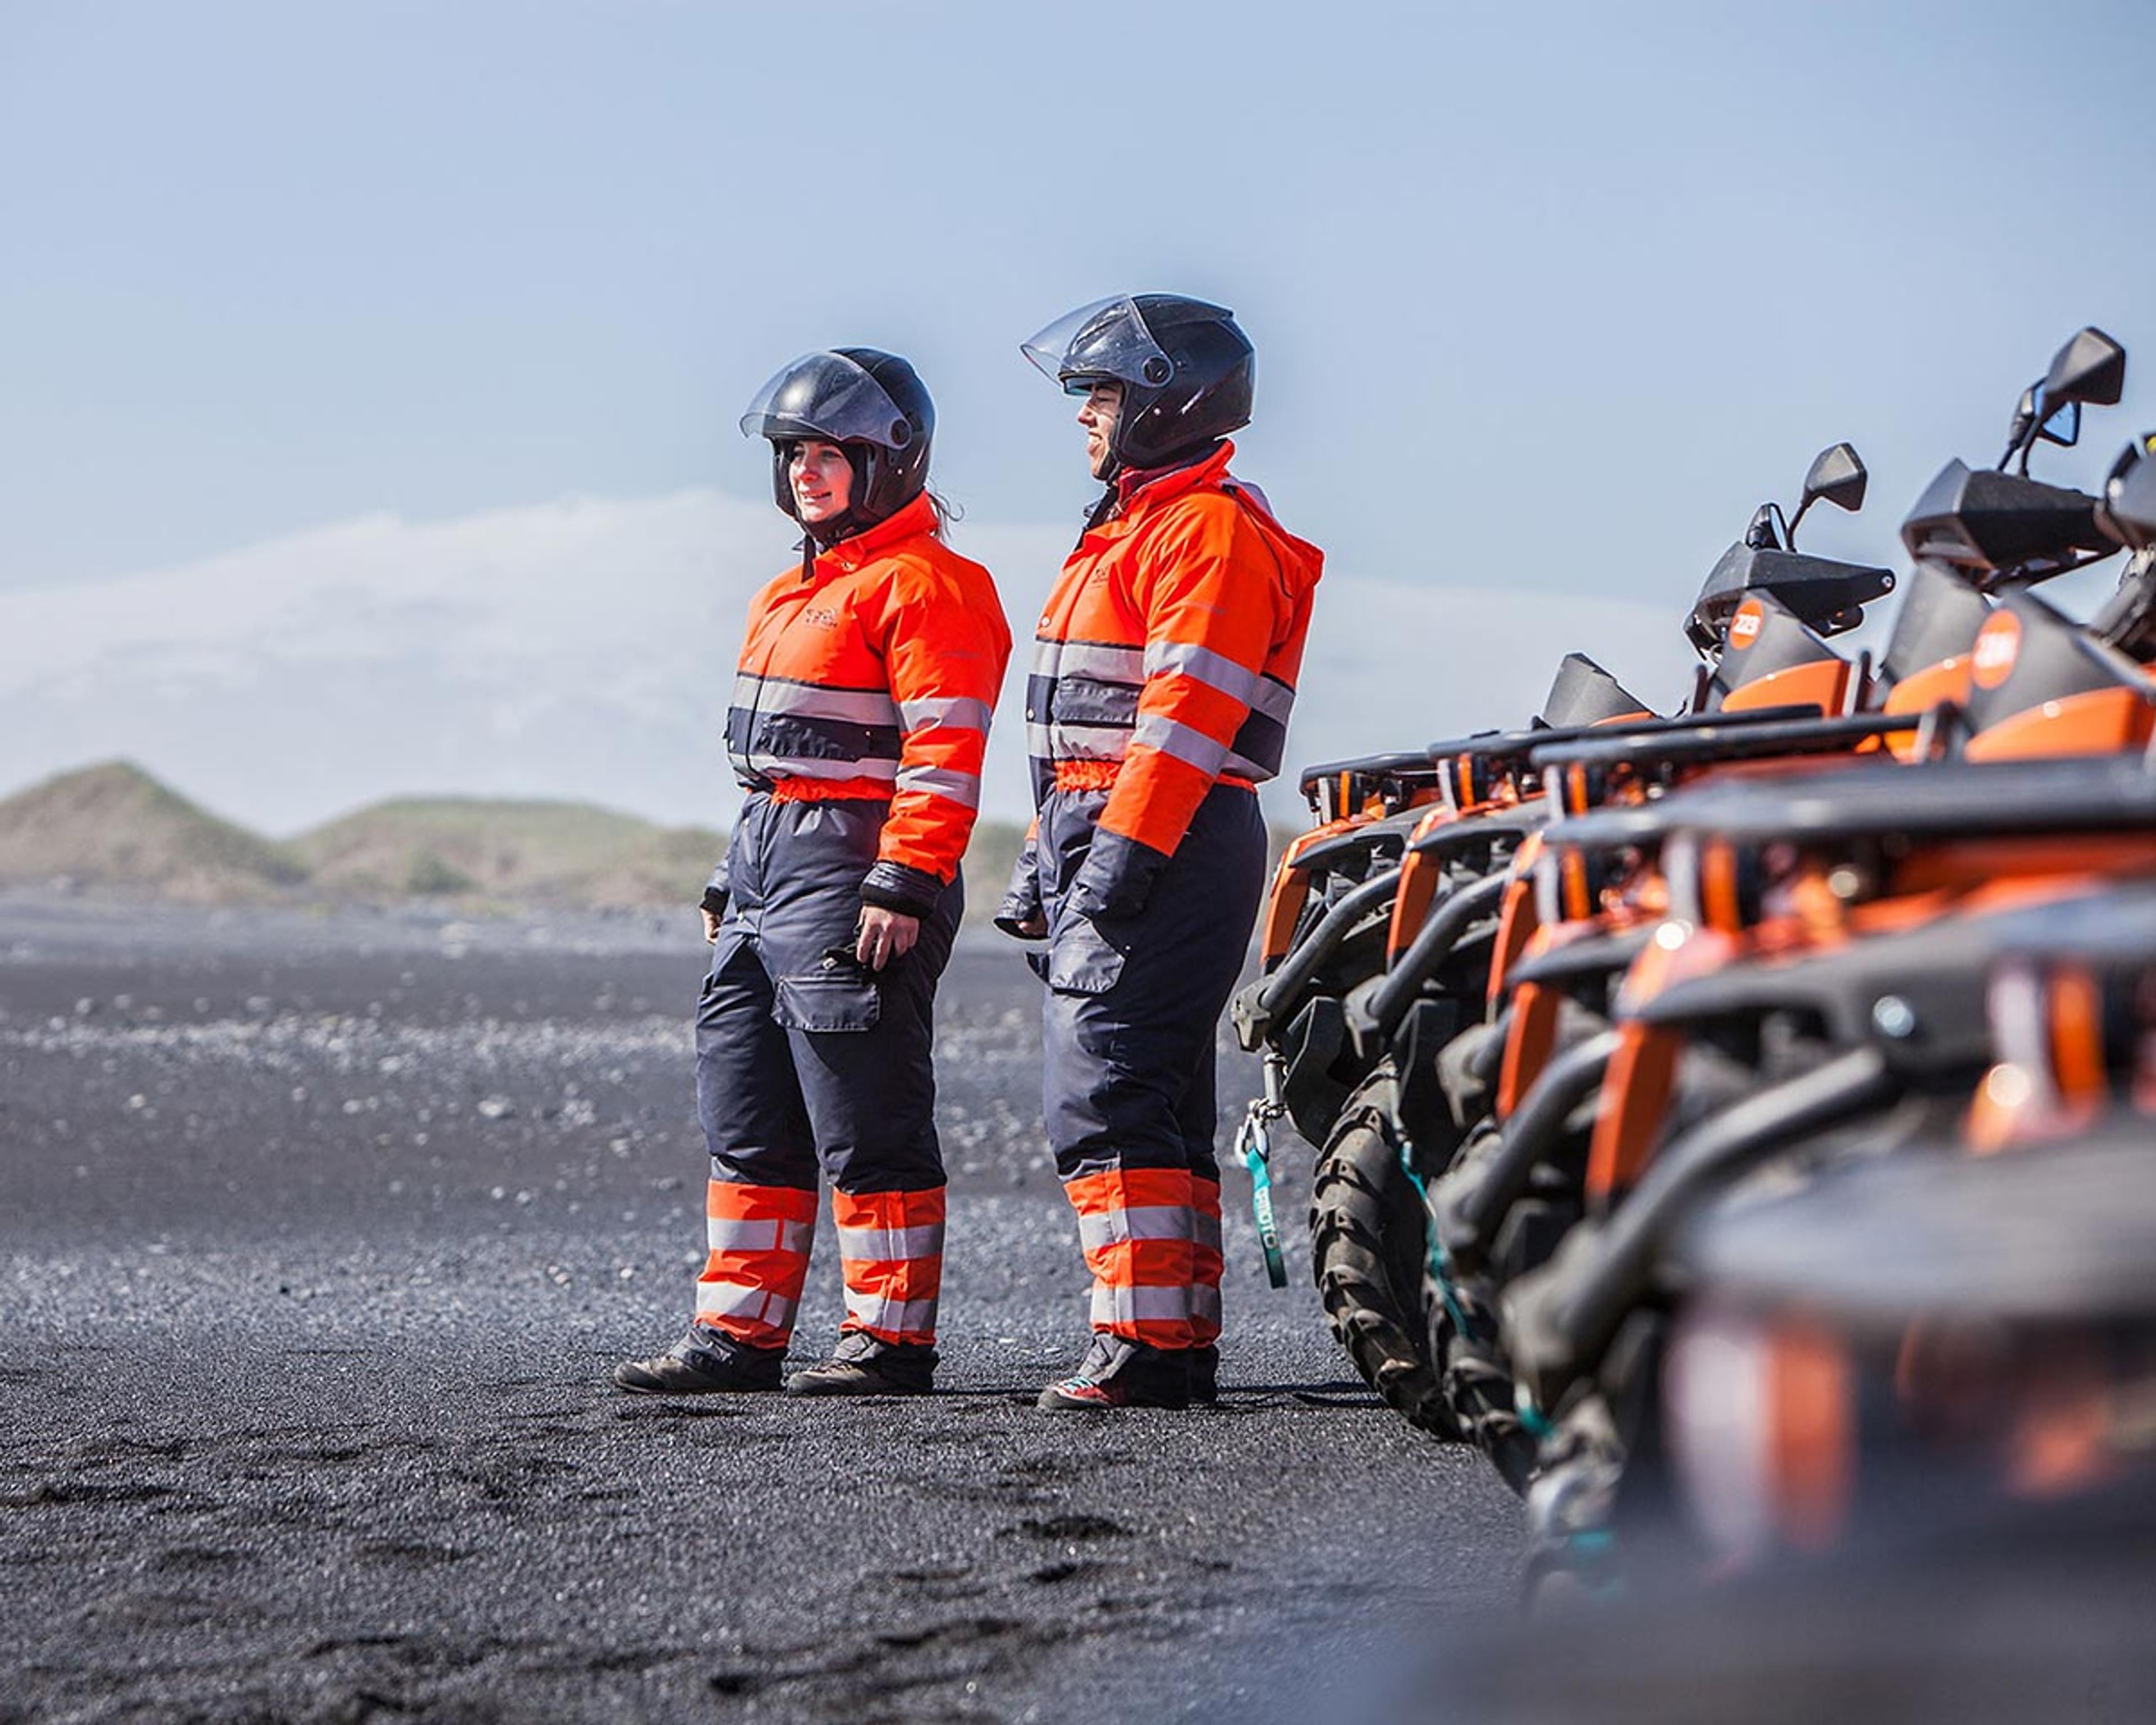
{"type": "Point", "coordinates": [1188, 373]}
{"type": "Point", "coordinates": [873, 406]}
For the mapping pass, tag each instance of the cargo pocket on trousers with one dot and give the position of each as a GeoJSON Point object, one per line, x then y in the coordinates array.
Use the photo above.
{"type": "Point", "coordinates": [1081, 960]}
{"type": "Point", "coordinates": [830, 1001]}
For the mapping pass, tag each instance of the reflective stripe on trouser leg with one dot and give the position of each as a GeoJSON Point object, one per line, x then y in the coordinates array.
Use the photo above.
{"type": "Point", "coordinates": [757, 1260]}
{"type": "Point", "coordinates": [891, 1249]}
{"type": "Point", "coordinates": [1135, 1225]}
{"type": "Point", "coordinates": [1205, 1262]}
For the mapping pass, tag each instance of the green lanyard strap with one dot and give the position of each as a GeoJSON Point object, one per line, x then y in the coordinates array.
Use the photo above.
{"type": "Point", "coordinates": [1254, 1144]}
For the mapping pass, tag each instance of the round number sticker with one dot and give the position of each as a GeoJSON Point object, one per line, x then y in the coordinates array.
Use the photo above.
{"type": "Point", "coordinates": [1998, 645]}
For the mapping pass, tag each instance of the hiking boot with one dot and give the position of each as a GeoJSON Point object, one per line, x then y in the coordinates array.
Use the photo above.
{"type": "Point", "coordinates": [1205, 1374]}
{"type": "Point", "coordinates": [703, 1363]}
{"type": "Point", "coordinates": [863, 1364]}
{"type": "Point", "coordinates": [1119, 1373]}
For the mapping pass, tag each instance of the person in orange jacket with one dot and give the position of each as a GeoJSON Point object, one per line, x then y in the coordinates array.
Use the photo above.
{"type": "Point", "coordinates": [860, 715]}
{"type": "Point", "coordinates": [1163, 671]}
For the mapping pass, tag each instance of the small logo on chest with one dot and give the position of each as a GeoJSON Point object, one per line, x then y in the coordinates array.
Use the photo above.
{"type": "Point", "coordinates": [822, 616]}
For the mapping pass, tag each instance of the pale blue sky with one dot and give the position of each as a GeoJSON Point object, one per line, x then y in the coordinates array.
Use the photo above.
{"type": "Point", "coordinates": [1546, 295]}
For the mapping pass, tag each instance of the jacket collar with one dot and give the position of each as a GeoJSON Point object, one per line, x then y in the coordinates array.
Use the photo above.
{"type": "Point", "coordinates": [1153, 486]}
{"type": "Point", "coordinates": [848, 555]}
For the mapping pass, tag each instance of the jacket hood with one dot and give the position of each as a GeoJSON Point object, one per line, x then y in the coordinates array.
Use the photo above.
{"type": "Point", "coordinates": [1300, 562]}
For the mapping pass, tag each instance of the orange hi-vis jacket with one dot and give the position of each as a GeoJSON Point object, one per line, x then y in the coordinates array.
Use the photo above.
{"type": "Point", "coordinates": [874, 675]}
{"type": "Point", "coordinates": [1165, 663]}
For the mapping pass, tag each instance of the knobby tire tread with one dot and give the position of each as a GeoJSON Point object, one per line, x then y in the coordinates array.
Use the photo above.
{"type": "Point", "coordinates": [1366, 1227]}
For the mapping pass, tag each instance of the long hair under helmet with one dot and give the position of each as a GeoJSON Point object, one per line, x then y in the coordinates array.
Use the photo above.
{"type": "Point", "coordinates": [1188, 371]}
{"type": "Point", "coordinates": [873, 406]}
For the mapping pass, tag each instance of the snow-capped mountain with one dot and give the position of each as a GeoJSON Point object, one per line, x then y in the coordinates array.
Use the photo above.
{"type": "Point", "coordinates": [584, 648]}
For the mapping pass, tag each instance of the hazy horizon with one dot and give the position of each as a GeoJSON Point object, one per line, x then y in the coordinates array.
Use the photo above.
{"type": "Point", "coordinates": [473, 657]}
{"type": "Point", "coordinates": [1544, 307]}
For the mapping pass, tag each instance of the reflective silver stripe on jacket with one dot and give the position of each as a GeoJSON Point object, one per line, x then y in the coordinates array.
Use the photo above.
{"type": "Point", "coordinates": [1267, 697]}
{"type": "Point", "coordinates": [1215, 671]}
{"type": "Point", "coordinates": [1077, 742]}
{"type": "Point", "coordinates": [944, 712]}
{"type": "Point", "coordinates": [814, 700]}
{"type": "Point", "coordinates": [772, 715]}
{"type": "Point", "coordinates": [1187, 744]}
{"type": "Point", "coordinates": [1273, 698]}
{"type": "Point", "coordinates": [874, 767]}
{"type": "Point", "coordinates": [963, 788]}
{"type": "Point", "coordinates": [1095, 660]}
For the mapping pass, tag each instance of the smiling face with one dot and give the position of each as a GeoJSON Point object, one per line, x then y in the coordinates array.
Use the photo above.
{"type": "Point", "coordinates": [822, 481]}
{"type": "Point", "coordinates": [1103, 401]}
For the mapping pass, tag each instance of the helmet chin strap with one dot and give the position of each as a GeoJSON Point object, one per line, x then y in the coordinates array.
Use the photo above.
{"type": "Point", "coordinates": [1120, 470]}
{"type": "Point", "coordinates": [1112, 470]}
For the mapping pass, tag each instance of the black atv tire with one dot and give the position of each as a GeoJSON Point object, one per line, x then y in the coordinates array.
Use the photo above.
{"type": "Point", "coordinates": [1477, 1381]}
{"type": "Point", "coordinates": [1467, 1349]}
{"type": "Point", "coordinates": [1366, 1234]}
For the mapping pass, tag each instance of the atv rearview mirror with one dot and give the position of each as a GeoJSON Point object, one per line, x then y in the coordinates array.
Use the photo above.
{"type": "Point", "coordinates": [2064, 426]}
{"type": "Point", "coordinates": [2089, 368]}
{"type": "Point", "coordinates": [1765, 532]}
{"type": "Point", "coordinates": [2092, 368]}
{"type": "Point", "coordinates": [1838, 475]}
{"type": "Point", "coordinates": [2018, 428]}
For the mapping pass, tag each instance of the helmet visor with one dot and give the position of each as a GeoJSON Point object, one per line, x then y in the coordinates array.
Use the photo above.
{"type": "Point", "coordinates": [827, 396]}
{"type": "Point", "coordinates": [1108, 339]}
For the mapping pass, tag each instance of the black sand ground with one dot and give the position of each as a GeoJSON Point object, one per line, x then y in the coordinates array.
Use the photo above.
{"type": "Point", "coordinates": [320, 1235]}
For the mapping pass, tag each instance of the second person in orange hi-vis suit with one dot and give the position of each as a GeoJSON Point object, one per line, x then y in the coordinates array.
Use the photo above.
{"type": "Point", "coordinates": [860, 715]}
{"type": "Point", "coordinates": [1164, 670]}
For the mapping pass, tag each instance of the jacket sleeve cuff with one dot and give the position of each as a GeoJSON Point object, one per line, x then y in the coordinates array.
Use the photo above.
{"type": "Point", "coordinates": [1020, 910]}
{"type": "Point", "coordinates": [901, 887]}
{"type": "Point", "coordinates": [715, 891]}
{"type": "Point", "coordinates": [1116, 878]}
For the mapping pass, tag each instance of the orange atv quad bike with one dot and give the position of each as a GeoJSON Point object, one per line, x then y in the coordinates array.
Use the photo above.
{"type": "Point", "coordinates": [1522, 1184]}
{"type": "Point", "coordinates": [1823, 1013]}
{"type": "Point", "coordinates": [1383, 925]}
{"type": "Point", "coordinates": [1969, 1325]}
